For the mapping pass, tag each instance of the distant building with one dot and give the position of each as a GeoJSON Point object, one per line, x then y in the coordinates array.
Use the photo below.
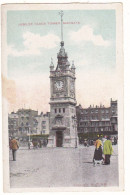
{"type": "Point", "coordinates": [27, 121]}
{"type": "Point", "coordinates": [114, 116]}
{"type": "Point", "coordinates": [13, 124]}
{"type": "Point", "coordinates": [97, 119]}
{"type": "Point", "coordinates": [43, 123]}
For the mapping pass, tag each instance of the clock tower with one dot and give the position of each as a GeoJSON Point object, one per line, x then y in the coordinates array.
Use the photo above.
{"type": "Point", "coordinates": [63, 125]}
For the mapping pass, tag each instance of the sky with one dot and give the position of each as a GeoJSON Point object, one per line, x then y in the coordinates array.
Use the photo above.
{"type": "Point", "coordinates": [33, 38]}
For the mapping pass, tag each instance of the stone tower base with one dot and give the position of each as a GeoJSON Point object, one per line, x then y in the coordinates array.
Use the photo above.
{"type": "Point", "coordinates": [67, 142]}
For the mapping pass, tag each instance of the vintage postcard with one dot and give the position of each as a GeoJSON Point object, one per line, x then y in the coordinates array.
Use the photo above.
{"type": "Point", "coordinates": [62, 81]}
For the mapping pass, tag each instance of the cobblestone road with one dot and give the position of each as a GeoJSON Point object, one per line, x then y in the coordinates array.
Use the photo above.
{"type": "Point", "coordinates": [56, 167]}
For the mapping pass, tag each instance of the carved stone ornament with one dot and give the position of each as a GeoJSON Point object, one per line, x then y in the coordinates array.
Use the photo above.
{"type": "Point", "coordinates": [72, 86]}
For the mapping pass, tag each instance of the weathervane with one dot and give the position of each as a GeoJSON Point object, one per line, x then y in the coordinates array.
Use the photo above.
{"type": "Point", "coordinates": [61, 13]}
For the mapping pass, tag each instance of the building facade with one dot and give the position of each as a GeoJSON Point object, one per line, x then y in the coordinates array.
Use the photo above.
{"type": "Point", "coordinates": [13, 127]}
{"type": "Point", "coordinates": [99, 119]}
{"type": "Point", "coordinates": [43, 123]}
{"type": "Point", "coordinates": [63, 128]}
{"type": "Point", "coordinates": [114, 116]}
{"type": "Point", "coordinates": [27, 122]}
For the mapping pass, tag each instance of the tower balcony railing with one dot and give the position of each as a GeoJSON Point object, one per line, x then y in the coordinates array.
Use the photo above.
{"type": "Point", "coordinates": [63, 72]}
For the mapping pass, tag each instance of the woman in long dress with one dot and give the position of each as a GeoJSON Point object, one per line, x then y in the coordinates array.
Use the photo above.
{"type": "Point", "coordinates": [98, 151]}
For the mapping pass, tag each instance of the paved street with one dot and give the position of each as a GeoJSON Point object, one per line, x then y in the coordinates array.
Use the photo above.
{"type": "Point", "coordinates": [56, 167]}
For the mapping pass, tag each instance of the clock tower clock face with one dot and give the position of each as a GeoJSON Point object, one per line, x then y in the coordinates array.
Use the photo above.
{"type": "Point", "coordinates": [58, 85]}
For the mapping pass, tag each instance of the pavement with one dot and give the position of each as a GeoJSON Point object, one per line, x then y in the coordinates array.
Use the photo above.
{"type": "Point", "coordinates": [61, 167]}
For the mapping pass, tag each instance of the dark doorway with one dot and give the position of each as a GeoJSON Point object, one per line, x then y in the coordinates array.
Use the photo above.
{"type": "Point", "coordinates": [59, 138]}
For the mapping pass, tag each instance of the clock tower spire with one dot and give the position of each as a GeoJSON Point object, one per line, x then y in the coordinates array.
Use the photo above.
{"type": "Point", "coordinates": [63, 126]}
{"type": "Point", "coordinates": [61, 13]}
{"type": "Point", "coordinates": [62, 56]}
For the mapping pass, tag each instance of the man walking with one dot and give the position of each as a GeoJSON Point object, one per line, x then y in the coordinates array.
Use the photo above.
{"type": "Point", "coordinates": [107, 150]}
{"type": "Point", "coordinates": [14, 146]}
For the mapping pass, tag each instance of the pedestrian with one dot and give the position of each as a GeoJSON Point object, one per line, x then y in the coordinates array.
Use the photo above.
{"type": "Point", "coordinates": [85, 142]}
{"type": "Point", "coordinates": [98, 159]}
{"type": "Point", "coordinates": [40, 144]}
{"type": "Point", "coordinates": [14, 145]}
{"type": "Point", "coordinates": [107, 150]}
{"type": "Point", "coordinates": [88, 143]}
{"type": "Point", "coordinates": [29, 144]}
{"type": "Point", "coordinates": [104, 139]}
{"type": "Point", "coordinates": [115, 141]}
{"type": "Point", "coordinates": [112, 140]}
